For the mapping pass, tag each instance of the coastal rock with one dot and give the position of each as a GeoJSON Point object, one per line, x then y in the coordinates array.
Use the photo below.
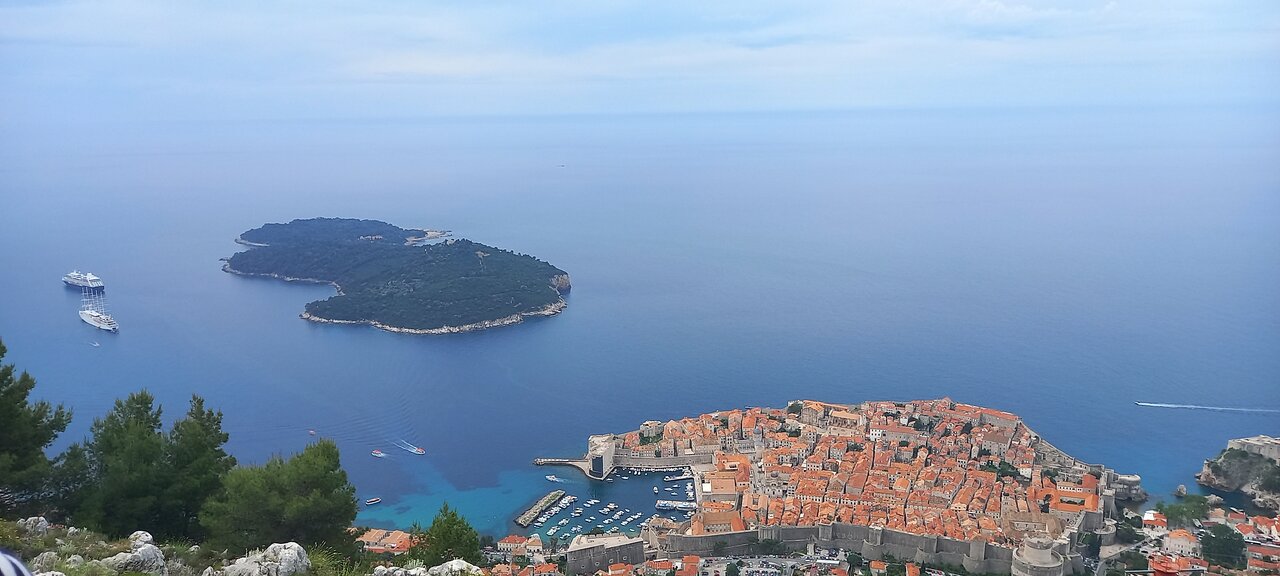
{"type": "Point", "coordinates": [74, 560]}
{"type": "Point", "coordinates": [1238, 471]}
{"type": "Point", "coordinates": [211, 572]}
{"type": "Point", "coordinates": [454, 567]}
{"type": "Point", "coordinates": [1180, 491]}
{"type": "Point", "coordinates": [1214, 500]}
{"type": "Point", "coordinates": [35, 525]}
{"type": "Point", "coordinates": [1207, 477]}
{"type": "Point", "coordinates": [561, 283]}
{"type": "Point", "coordinates": [143, 557]}
{"type": "Point", "coordinates": [278, 560]}
{"type": "Point", "coordinates": [44, 562]}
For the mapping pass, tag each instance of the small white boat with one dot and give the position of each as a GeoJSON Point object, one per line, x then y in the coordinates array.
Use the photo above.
{"type": "Point", "coordinates": [401, 444]}
{"type": "Point", "coordinates": [655, 489]}
{"type": "Point", "coordinates": [372, 501]}
{"type": "Point", "coordinates": [552, 478]}
{"type": "Point", "coordinates": [378, 454]}
{"type": "Point", "coordinates": [94, 344]}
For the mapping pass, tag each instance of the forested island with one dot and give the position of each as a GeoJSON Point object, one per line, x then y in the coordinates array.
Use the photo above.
{"type": "Point", "coordinates": [392, 278]}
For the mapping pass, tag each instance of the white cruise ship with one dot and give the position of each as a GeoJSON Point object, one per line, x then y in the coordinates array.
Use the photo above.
{"type": "Point", "coordinates": [80, 279]}
{"type": "Point", "coordinates": [93, 311]}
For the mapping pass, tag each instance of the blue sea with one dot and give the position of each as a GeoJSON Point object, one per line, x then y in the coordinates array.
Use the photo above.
{"type": "Point", "coordinates": [1057, 263]}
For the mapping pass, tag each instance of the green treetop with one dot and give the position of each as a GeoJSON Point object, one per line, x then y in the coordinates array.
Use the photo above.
{"type": "Point", "coordinates": [197, 464]}
{"type": "Point", "coordinates": [26, 429]}
{"type": "Point", "coordinates": [126, 460]}
{"type": "Point", "coordinates": [305, 499]}
{"type": "Point", "coordinates": [450, 536]}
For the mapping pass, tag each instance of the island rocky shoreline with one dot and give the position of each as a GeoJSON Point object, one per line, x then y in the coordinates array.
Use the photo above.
{"type": "Point", "coordinates": [560, 282]}
{"type": "Point", "coordinates": [548, 310]}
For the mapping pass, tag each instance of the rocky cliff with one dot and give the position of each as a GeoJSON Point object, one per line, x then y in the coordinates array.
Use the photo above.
{"type": "Point", "coordinates": [1239, 471]}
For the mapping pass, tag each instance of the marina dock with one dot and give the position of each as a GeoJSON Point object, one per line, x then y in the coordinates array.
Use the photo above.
{"type": "Point", "coordinates": [525, 519]}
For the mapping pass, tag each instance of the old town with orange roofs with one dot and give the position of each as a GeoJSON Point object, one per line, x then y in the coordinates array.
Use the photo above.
{"type": "Point", "coordinates": [885, 489]}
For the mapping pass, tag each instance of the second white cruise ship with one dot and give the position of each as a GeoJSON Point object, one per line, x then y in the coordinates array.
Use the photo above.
{"type": "Point", "coordinates": [80, 279]}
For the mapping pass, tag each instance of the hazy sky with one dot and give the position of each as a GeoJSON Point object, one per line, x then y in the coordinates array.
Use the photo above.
{"type": "Point", "coordinates": [124, 60]}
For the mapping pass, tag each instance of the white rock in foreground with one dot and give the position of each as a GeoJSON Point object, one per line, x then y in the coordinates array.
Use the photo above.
{"type": "Point", "coordinates": [453, 568]}
{"type": "Point", "coordinates": [278, 560]}
{"type": "Point", "coordinates": [144, 557]}
{"type": "Point", "coordinates": [36, 525]}
{"type": "Point", "coordinates": [44, 562]}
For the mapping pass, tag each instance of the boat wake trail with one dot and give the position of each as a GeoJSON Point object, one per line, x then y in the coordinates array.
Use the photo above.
{"type": "Point", "coordinates": [1212, 408]}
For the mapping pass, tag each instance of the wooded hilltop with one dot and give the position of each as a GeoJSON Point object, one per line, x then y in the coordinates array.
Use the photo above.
{"type": "Point", "coordinates": [388, 277]}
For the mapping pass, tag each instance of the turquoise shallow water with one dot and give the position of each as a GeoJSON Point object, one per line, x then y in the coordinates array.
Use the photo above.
{"type": "Point", "coordinates": [1060, 264]}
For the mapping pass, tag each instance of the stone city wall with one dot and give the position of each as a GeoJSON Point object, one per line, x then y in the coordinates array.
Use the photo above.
{"type": "Point", "coordinates": [628, 461]}
{"type": "Point", "coordinates": [871, 543]}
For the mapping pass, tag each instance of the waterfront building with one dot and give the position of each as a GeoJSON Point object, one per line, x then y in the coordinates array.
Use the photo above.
{"type": "Point", "coordinates": [1156, 521]}
{"type": "Point", "coordinates": [508, 544]}
{"type": "Point", "coordinates": [589, 553]}
{"type": "Point", "coordinates": [1181, 543]}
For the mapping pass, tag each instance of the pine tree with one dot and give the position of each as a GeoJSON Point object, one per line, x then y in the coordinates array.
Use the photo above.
{"type": "Point", "coordinates": [450, 536]}
{"type": "Point", "coordinates": [127, 466]}
{"type": "Point", "coordinates": [26, 429]}
{"type": "Point", "coordinates": [305, 499]}
{"type": "Point", "coordinates": [196, 465]}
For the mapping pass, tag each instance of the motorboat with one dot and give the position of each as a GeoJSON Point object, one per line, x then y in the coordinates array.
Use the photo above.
{"type": "Point", "coordinates": [372, 501]}
{"type": "Point", "coordinates": [378, 454]}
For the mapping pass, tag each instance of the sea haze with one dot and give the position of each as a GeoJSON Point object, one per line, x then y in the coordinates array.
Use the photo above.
{"type": "Point", "coordinates": [1057, 263]}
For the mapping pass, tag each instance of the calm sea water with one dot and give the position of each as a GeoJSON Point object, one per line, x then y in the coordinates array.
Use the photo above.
{"type": "Point", "coordinates": [1060, 264]}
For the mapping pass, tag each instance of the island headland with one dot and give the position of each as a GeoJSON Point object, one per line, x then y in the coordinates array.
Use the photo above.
{"type": "Point", "coordinates": [1250, 466]}
{"type": "Point", "coordinates": [402, 279]}
{"type": "Point", "coordinates": [931, 481]}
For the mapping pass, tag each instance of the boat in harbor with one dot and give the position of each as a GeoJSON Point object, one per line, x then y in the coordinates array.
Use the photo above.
{"type": "Point", "coordinates": [685, 476]}
{"type": "Point", "coordinates": [675, 505]}
{"type": "Point", "coordinates": [378, 454]}
{"type": "Point", "coordinates": [93, 311]}
{"type": "Point", "coordinates": [372, 501]}
{"type": "Point", "coordinates": [552, 478]}
{"type": "Point", "coordinates": [78, 279]}
{"type": "Point", "coordinates": [655, 489]}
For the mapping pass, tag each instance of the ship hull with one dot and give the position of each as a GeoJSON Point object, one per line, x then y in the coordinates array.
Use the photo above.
{"type": "Point", "coordinates": [98, 322]}
{"type": "Point", "coordinates": [71, 284]}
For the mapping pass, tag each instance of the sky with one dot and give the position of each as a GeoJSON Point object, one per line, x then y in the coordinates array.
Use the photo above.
{"type": "Point", "coordinates": [129, 60]}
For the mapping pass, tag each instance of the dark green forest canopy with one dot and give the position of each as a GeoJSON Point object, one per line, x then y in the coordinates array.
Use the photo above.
{"type": "Point", "coordinates": [387, 280]}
